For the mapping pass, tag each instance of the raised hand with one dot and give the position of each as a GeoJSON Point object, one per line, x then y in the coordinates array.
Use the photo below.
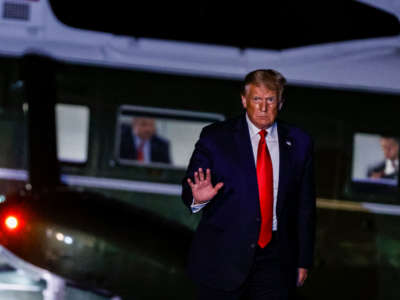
{"type": "Point", "coordinates": [202, 189]}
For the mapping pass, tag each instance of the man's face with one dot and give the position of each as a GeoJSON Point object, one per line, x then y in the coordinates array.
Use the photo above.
{"type": "Point", "coordinates": [261, 104]}
{"type": "Point", "coordinates": [390, 148]}
{"type": "Point", "coordinates": [144, 128]}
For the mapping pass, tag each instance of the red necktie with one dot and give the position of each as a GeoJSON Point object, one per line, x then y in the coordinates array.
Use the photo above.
{"type": "Point", "coordinates": [140, 152]}
{"type": "Point", "coordinates": [265, 190]}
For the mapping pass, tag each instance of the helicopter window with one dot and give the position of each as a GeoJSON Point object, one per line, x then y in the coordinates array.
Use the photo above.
{"type": "Point", "coordinates": [72, 123]}
{"type": "Point", "coordinates": [375, 160]}
{"type": "Point", "coordinates": [158, 137]}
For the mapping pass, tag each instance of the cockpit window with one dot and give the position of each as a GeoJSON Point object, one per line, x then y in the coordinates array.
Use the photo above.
{"type": "Point", "coordinates": [72, 123]}
{"type": "Point", "coordinates": [158, 137]}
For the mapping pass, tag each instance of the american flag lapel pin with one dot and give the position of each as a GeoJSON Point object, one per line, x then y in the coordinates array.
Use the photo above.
{"type": "Point", "coordinates": [289, 143]}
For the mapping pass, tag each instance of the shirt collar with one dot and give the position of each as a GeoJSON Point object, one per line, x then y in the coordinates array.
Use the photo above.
{"type": "Point", "coordinates": [137, 140]}
{"type": "Point", "coordinates": [395, 162]}
{"type": "Point", "coordinates": [253, 130]}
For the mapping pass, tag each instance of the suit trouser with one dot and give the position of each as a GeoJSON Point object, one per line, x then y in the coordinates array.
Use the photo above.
{"type": "Point", "coordinates": [267, 279]}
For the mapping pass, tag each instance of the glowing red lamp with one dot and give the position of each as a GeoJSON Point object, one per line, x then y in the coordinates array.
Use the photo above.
{"type": "Point", "coordinates": [11, 222]}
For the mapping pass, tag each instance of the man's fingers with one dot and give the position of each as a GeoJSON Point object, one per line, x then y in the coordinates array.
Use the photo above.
{"type": "Point", "coordinates": [208, 175]}
{"type": "Point", "coordinates": [218, 186]}
{"type": "Point", "coordinates": [201, 173]}
{"type": "Point", "coordinates": [190, 183]}
{"type": "Point", "coordinates": [196, 178]}
{"type": "Point", "coordinates": [299, 282]}
{"type": "Point", "coordinates": [302, 276]}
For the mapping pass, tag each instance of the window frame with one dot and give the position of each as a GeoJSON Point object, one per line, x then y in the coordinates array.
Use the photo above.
{"type": "Point", "coordinates": [154, 112]}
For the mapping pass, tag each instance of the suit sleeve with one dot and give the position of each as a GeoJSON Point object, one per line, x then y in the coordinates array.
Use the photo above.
{"type": "Point", "coordinates": [376, 168]}
{"type": "Point", "coordinates": [201, 158]}
{"type": "Point", "coordinates": [127, 148]}
{"type": "Point", "coordinates": [307, 212]}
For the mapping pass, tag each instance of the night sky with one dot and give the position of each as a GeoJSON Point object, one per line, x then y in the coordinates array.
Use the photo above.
{"type": "Point", "coordinates": [271, 25]}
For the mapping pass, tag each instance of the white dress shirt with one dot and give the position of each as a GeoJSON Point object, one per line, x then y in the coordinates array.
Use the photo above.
{"type": "Point", "coordinates": [273, 148]}
{"type": "Point", "coordinates": [146, 147]}
{"type": "Point", "coordinates": [391, 166]}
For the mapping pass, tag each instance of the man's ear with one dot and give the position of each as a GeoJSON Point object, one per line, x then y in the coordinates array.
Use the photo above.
{"type": "Point", "coordinates": [280, 105]}
{"type": "Point", "coordinates": [244, 103]}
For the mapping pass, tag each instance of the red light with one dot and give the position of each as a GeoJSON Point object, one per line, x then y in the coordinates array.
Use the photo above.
{"type": "Point", "coordinates": [11, 222]}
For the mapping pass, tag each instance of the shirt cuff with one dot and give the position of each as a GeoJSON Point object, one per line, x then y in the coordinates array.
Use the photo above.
{"type": "Point", "coordinates": [197, 207]}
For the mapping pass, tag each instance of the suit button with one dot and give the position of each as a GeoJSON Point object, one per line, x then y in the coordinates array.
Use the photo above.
{"type": "Point", "coordinates": [258, 219]}
{"type": "Point", "coordinates": [252, 245]}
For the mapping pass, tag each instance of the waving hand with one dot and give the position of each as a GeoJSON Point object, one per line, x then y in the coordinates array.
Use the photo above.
{"type": "Point", "coordinates": [202, 189]}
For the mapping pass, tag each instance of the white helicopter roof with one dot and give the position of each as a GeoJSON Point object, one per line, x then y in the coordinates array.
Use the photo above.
{"type": "Point", "coordinates": [369, 64]}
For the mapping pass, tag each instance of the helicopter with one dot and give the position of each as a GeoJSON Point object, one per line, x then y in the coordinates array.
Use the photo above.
{"type": "Point", "coordinates": [74, 210]}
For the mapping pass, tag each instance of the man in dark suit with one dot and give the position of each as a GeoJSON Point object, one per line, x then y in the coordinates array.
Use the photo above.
{"type": "Point", "coordinates": [252, 177]}
{"type": "Point", "coordinates": [139, 142]}
{"type": "Point", "coordinates": [389, 167]}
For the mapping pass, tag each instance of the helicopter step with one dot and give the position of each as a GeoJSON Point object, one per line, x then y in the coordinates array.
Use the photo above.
{"type": "Point", "coordinates": [20, 280]}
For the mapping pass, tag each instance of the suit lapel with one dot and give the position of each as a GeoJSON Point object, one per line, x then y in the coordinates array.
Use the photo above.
{"type": "Point", "coordinates": [245, 158]}
{"type": "Point", "coordinates": [246, 161]}
{"type": "Point", "coordinates": [285, 163]}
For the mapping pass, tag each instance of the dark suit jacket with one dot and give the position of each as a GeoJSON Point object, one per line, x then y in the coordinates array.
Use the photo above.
{"type": "Point", "coordinates": [223, 246]}
{"type": "Point", "coordinates": [159, 147]}
{"type": "Point", "coordinates": [380, 168]}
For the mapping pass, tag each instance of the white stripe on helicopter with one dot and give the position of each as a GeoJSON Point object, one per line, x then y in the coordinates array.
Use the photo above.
{"type": "Point", "coordinates": [175, 189]}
